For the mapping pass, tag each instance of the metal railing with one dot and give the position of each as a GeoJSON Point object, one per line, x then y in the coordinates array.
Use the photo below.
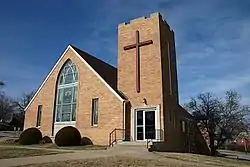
{"type": "Point", "coordinates": [150, 136]}
{"type": "Point", "coordinates": [115, 136]}
{"type": "Point", "coordinates": [154, 136]}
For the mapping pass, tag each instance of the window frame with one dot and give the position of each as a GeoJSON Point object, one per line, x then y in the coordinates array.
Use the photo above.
{"type": "Point", "coordinates": [183, 126]}
{"type": "Point", "coordinates": [62, 85]}
{"type": "Point", "coordinates": [39, 115]}
{"type": "Point", "coordinates": [95, 110]}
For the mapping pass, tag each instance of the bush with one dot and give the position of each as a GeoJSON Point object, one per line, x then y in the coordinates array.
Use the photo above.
{"type": "Point", "coordinates": [68, 136]}
{"type": "Point", "coordinates": [46, 139]}
{"type": "Point", "coordinates": [86, 141]}
{"type": "Point", "coordinates": [30, 136]}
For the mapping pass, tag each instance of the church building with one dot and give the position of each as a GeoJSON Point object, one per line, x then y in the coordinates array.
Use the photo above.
{"type": "Point", "coordinates": [134, 102]}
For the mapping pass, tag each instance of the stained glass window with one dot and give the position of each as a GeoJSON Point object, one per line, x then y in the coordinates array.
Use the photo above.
{"type": "Point", "coordinates": [67, 93]}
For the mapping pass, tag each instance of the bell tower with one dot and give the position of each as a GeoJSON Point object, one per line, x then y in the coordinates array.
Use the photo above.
{"type": "Point", "coordinates": [147, 60]}
{"type": "Point", "coordinates": [147, 73]}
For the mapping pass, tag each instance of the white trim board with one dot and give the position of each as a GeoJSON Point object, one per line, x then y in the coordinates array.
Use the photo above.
{"type": "Point", "coordinates": [156, 108]}
{"type": "Point", "coordinates": [80, 57]}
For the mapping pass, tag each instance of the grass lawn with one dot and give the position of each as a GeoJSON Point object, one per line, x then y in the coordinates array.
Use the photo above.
{"type": "Point", "coordinates": [11, 142]}
{"type": "Point", "coordinates": [158, 161]}
{"type": "Point", "coordinates": [202, 160]}
{"type": "Point", "coordinates": [86, 147]}
{"type": "Point", "coordinates": [14, 152]}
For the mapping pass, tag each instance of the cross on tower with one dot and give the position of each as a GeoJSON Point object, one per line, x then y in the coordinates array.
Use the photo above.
{"type": "Point", "coordinates": [137, 45]}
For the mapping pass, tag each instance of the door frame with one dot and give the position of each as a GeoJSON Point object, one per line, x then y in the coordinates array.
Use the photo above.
{"type": "Point", "coordinates": [155, 108]}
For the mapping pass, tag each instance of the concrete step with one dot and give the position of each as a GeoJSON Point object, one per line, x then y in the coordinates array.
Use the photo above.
{"type": "Point", "coordinates": [132, 143]}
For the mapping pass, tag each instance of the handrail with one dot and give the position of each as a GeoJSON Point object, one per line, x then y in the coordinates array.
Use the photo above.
{"type": "Point", "coordinates": [113, 136]}
{"type": "Point", "coordinates": [153, 135]}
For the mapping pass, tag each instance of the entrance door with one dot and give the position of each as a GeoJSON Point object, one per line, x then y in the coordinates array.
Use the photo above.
{"type": "Point", "coordinates": [150, 125]}
{"type": "Point", "coordinates": [145, 124]}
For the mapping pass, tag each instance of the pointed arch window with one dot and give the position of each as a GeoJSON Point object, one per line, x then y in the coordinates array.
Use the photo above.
{"type": "Point", "coordinates": [66, 96]}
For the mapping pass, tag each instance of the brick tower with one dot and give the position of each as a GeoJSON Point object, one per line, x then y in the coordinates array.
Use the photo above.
{"type": "Point", "coordinates": [147, 73]}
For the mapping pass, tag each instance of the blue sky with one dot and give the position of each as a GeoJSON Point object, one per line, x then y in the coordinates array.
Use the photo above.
{"type": "Point", "coordinates": [212, 39]}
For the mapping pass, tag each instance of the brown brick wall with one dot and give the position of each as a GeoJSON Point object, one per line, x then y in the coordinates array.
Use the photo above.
{"type": "Point", "coordinates": [154, 68]}
{"type": "Point", "coordinates": [170, 87]}
{"type": "Point", "coordinates": [154, 84]}
{"type": "Point", "coordinates": [89, 86]}
{"type": "Point", "coordinates": [150, 62]}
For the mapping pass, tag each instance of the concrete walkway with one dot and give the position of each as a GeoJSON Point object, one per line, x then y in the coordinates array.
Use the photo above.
{"type": "Point", "coordinates": [77, 155]}
{"type": "Point", "coordinates": [236, 154]}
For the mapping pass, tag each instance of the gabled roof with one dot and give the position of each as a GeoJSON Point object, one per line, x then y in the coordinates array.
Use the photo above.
{"type": "Point", "coordinates": [105, 72]}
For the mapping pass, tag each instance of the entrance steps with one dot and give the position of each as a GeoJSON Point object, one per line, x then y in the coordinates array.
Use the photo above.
{"type": "Point", "coordinates": [132, 145]}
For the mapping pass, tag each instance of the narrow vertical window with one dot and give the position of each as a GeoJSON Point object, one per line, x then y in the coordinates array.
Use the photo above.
{"type": "Point", "coordinates": [183, 126]}
{"type": "Point", "coordinates": [94, 121]}
{"type": "Point", "coordinates": [169, 70]}
{"type": "Point", "coordinates": [39, 115]}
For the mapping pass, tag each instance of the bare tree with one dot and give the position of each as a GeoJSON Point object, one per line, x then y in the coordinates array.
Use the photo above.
{"type": "Point", "coordinates": [223, 119]}
{"type": "Point", "coordinates": [20, 105]}
{"type": "Point", "coordinates": [24, 100]}
{"type": "Point", "coordinates": [6, 107]}
{"type": "Point", "coordinates": [232, 115]}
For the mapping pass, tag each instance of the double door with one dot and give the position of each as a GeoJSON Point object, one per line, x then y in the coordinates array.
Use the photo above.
{"type": "Point", "coordinates": [145, 124]}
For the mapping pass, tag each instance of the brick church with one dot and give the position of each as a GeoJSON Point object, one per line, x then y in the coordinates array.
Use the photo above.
{"type": "Point", "coordinates": [134, 102]}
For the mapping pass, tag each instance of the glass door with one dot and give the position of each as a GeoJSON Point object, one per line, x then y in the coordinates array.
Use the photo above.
{"type": "Point", "coordinates": [150, 125]}
{"type": "Point", "coordinates": [145, 124]}
{"type": "Point", "coordinates": [139, 126]}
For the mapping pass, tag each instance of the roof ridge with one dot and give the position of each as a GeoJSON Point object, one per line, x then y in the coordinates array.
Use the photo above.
{"type": "Point", "coordinates": [92, 56]}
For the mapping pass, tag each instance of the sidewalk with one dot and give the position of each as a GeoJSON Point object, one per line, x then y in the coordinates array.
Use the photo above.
{"type": "Point", "coordinates": [236, 154]}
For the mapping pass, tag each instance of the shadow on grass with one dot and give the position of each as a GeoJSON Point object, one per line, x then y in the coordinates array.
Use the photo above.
{"type": "Point", "coordinates": [13, 152]}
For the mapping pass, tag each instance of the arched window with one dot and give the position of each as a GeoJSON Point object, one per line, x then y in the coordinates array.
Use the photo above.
{"type": "Point", "coordinates": [66, 96]}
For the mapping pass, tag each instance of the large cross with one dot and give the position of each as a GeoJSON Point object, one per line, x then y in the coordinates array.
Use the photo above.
{"type": "Point", "coordinates": [137, 45]}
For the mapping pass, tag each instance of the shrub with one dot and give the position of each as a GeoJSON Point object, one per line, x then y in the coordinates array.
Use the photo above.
{"type": "Point", "coordinates": [30, 136]}
{"type": "Point", "coordinates": [86, 141]}
{"type": "Point", "coordinates": [46, 139]}
{"type": "Point", "coordinates": [68, 136]}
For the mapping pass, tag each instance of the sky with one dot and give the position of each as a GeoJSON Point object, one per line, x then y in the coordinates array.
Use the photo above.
{"type": "Point", "coordinates": [212, 39]}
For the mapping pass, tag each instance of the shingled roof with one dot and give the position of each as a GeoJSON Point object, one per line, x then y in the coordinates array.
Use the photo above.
{"type": "Point", "coordinates": [105, 70]}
